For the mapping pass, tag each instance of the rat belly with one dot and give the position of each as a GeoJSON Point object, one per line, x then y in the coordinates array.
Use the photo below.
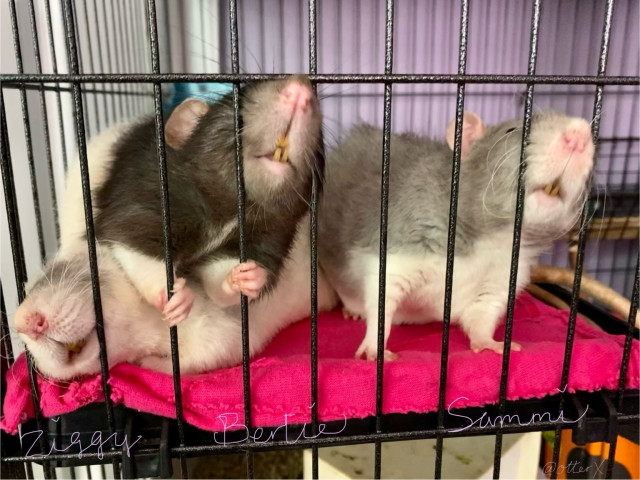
{"type": "Point", "coordinates": [424, 286]}
{"type": "Point", "coordinates": [416, 282]}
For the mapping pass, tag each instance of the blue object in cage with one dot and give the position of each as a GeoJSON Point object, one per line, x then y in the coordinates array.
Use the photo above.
{"type": "Point", "coordinates": [176, 93]}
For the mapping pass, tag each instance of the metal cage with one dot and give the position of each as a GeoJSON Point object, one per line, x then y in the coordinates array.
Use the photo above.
{"type": "Point", "coordinates": [174, 438]}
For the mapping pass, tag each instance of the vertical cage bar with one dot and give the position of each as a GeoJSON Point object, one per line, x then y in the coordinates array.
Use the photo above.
{"type": "Point", "coordinates": [235, 68]}
{"type": "Point", "coordinates": [166, 221]}
{"type": "Point", "coordinates": [124, 88]}
{"type": "Point", "coordinates": [584, 221]}
{"type": "Point", "coordinates": [82, 68]}
{"type": "Point", "coordinates": [624, 366]}
{"type": "Point", "coordinates": [313, 208]}
{"type": "Point", "coordinates": [45, 119]}
{"type": "Point", "coordinates": [384, 213]}
{"type": "Point", "coordinates": [112, 68]}
{"type": "Point", "coordinates": [78, 111]}
{"type": "Point", "coordinates": [517, 230]}
{"type": "Point", "coordinates": [97, 65]}
{"type": "Point", "coordinates": [451, 236]}
{"type": "Point", "coordinates": [54, 66]}
{"type": "Point", "coordinates": [125, 25]}
{"type": "Point", "coordinates": [19, 265]}
{"type": "Point", "coordinates": [138, 57]}
{"type": "Point", "coordinates": [27, 131]}
{"type": "Point", "coordinates": [92, 57]}
{"type": "Point", "coordinates": [6, 335]}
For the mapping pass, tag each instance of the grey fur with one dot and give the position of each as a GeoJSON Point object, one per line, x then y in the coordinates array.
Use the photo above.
{"type": "Point", "coordinates": [419, 192]}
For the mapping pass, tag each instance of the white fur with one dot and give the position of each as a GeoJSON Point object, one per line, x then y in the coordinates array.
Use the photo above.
{"type": "Point", "coordinates": [99, 159]}
{"type": "Point", "coordinates": [135, 332]}
{"type": "Point", "coordinates": [415, 289]}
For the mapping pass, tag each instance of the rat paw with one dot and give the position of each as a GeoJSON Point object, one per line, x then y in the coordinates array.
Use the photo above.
{"type": "Point", "coordinates": [497, 347]}
{"type": "Point", "coordinates": [348, 314]}
{"type": "Point", "coordinates": [370, 352]}
{"type": "Point", "coordinates": [178, 307]}
{"type": "Point", "coordinates": [247, 278]}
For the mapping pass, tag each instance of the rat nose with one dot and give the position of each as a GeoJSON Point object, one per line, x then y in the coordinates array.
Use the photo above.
{"type": "Point", "coordinates": [577, 136]}
{"type": "Point", "coordinates": [297, 94]}
{"type": "Point", "coordinates": [32, 323]}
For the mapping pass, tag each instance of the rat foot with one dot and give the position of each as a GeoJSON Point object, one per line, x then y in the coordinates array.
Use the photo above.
{"type": "Point", "coordinates": [247, 278]}
{"type": "Point", "coordinates": [348, 314]}
{"type": "Point", "coordinates": [370, 352]}
{"type": "Point", "coordinates": [497, 347]}
{"type": "Point", "coordinates": [178, 307]}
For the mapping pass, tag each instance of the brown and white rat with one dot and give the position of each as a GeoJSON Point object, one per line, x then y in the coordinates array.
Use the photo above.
{"type": "Point", "coordinates": [281, 140]}
{"type": "Point", "coordinates": [559, 158]}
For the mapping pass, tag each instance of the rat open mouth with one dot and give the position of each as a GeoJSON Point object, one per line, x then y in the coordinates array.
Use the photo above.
{"type": "Point", "coordinates": [281, 153]}
{"type": "Point", "coordinates": [75, 348]}
{"type": "Point", "coordinates": [278, 161]}
{"type": "Point", "coordinates": [552, 189]}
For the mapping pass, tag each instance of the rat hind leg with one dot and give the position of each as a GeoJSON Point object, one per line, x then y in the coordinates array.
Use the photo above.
{"type": "Point", "coordinates": [148, 275]}
{"type": "Point", "coordinates": [480, 320]}
{"type": "Point", "coordinates": [394, 294]}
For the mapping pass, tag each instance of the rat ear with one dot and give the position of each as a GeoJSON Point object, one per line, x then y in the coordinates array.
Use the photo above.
{"type": "Point", "coordinates": [472, 130]}
{"type": "Point", "coordinates": [183, 121]}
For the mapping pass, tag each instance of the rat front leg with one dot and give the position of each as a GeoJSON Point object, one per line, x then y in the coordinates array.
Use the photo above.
{"type": "Point", "coordinates": [480, 320]}
{"type": "Point", "coordinates": [225, 279]}
{"type": "Point", "coordinates": [148, 275]}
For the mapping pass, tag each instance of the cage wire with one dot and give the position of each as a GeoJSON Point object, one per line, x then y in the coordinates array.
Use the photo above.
{"type": "Point", "coordinates": [73, 67]}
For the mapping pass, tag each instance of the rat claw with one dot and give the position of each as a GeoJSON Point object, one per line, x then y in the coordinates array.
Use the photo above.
{"type": "Point", "coordinates": [371, 354]}
{"type": "Point", "coordinates": [247, 278]}
{"type": "Point", "coordinates": [348, 314]}
{"type": "Point", "coordinates": [179, 305]}
{"type": "Point", "coordinates": [497, 347]}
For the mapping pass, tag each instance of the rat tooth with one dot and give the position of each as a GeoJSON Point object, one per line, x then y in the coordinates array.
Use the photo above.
{"type": "Point", "coordinates": [285, 155]}
{"type": "Point", "coordinates": [555, 191]}
{"type": "Point", "coordinates": [277, 154]}
{"type": "Point", "coordinates": [283, 142]}
{"type": "Point", "coordinates": [75, 347]}
{"type": "Point", "coordinates": [547, 189]}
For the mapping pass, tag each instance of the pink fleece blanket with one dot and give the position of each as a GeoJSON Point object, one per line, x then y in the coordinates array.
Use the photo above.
{"type": "Point", "coordinates": [280, 376]}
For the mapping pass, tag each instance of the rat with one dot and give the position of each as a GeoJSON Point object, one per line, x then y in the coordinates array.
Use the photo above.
{"type": "Point", "coordinates": [559, 159]}
{"type": "Point", "coordinates": [56, 320]}
{"type": "Point", "coordinates": [281, 150]}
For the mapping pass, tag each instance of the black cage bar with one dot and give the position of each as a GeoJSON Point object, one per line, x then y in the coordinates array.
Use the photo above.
{"type": "Point", "coordinates": [123, 41]}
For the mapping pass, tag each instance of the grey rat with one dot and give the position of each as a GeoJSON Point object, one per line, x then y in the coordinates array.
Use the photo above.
{"type": "Point", "coordinates": [559, 159]}
{"type": "Point", "coordinates": [281, 141]}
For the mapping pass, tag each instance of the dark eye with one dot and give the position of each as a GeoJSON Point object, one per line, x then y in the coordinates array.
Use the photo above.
{"type": "Point", "coordinates": [511, 130]}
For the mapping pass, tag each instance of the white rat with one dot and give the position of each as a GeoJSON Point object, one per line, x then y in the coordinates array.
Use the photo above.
{"type": "Point", "coordinates": [57, 321]}
{"type": "Point", "coordinates": [559, 159]}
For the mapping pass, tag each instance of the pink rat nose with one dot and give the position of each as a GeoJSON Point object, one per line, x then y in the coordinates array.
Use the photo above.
{"type": "Point", "coordinates": [297, 94]}
{"type": "Point", "coordinates": [576, 137]}
{"type": "Point", "coordinates": [33, 324]}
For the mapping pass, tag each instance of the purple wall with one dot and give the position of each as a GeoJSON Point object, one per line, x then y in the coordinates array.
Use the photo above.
{"type": "Point", "coordinates": [274, 38]}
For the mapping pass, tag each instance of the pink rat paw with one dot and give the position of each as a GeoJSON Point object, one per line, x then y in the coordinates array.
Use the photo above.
{"type": "Point", "coordinates": [497, 347]}
{"type": "Point", "coordinates": [247, 278]}
{"type": "Point", "coordinates": [369, 350]}
{"type": "Point", "coordinates": [178, 307]}
{"type": "Point", "coordinates": [348, 314]}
